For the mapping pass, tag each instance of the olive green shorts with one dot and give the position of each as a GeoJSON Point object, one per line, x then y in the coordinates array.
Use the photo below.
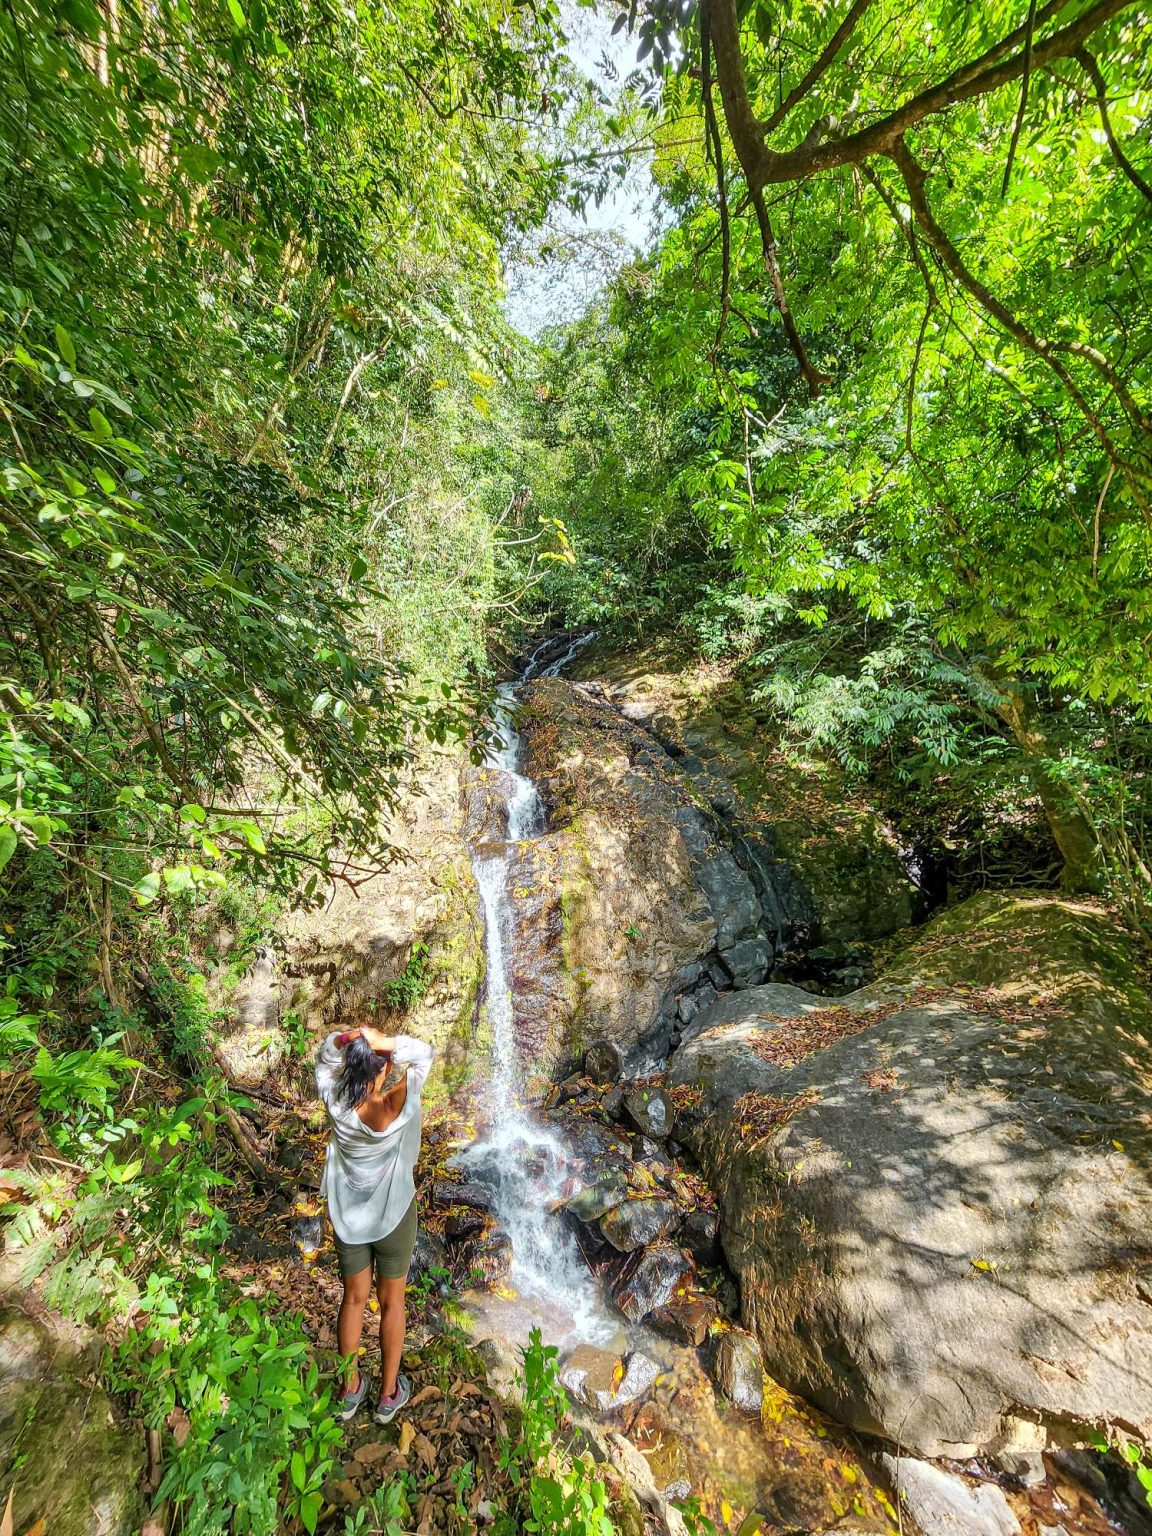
{"type": "Point", "coordinates": [390, 1256]}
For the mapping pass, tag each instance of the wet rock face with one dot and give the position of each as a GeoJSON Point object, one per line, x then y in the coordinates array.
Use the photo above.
{"type": "Point", "coordinates": [635, 1223]}
{"type": "Point", "coordinates": [939, 1210]}
{"type": "Point", "coordinates": [79, 1469]}
{"type": "Point", "coordinates": [605, 1382]}
{"type": "Point", "coordinates": [739, 1370]}
{"type": "Point", "coordinates": [649, 1111]}
{"type": "Point", "coordinates": [604, 1061]}
{"type": "Point", "coordinates": [651, 1278]}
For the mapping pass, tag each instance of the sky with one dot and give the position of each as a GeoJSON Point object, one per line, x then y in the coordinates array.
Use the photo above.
{"type": "Point", "coordinates": [542, 293]}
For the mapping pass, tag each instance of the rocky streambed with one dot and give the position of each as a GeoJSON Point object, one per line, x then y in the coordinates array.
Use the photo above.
{"type": "Point", "coordinates": [759, 1133]}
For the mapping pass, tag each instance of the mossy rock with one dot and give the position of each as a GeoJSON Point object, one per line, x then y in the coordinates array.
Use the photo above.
{"type": "Point", "coordinates": [69, 1460]}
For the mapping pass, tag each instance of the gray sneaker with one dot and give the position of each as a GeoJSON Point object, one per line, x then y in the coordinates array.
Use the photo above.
{"type": "Point", "coordinates": [388, 1407]}
{"type": "Point", "coordinates": [352, 1400]}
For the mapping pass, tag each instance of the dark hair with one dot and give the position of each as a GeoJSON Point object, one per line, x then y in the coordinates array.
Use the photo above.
{"type": "Point", "coordinates": [362, 1066]}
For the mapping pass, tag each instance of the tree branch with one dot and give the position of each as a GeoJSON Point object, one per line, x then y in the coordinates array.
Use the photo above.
{"type": "Point", "coordinates": [1091, 68]}
{"type": "Point", "coordinates": [764, 166]}
{"type": "Point", "coordinates": [915, 176]}
{"type": "Point", "coordinates": [831, 48]}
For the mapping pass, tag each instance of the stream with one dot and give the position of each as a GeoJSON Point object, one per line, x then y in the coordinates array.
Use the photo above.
{"type": "Point", "coordinates": [524, 1164]}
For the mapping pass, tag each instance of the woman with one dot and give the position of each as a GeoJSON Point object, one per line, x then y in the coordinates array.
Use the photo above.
{"type": "Point", "coordinates": [370, 1084]}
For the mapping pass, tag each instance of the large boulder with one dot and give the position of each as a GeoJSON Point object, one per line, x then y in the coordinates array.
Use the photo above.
{"type": "Point", "coordinates": [936, 1193]}
{"type": "Point", "coordinates": [74, 1467]}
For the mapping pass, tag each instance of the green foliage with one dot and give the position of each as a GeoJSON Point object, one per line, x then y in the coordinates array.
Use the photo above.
{"type": "Point", "coordinates": [403, 992]}
{"type": "Point", "coordinates": [564, 1495]}
{"type": "Point", "coordinates": [260, 1434]}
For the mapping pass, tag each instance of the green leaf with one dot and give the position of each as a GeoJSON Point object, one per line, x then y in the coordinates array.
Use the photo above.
{"type": "Point", "coordinates": [147, 889]}
{"type": "Point", "coordinates": [239, 19]}
{"type": "Point", "coordinates": [8, 844]}
{"type": "Point", "coordinates": [67, 350]}
{"type": "Point", "coordinates": [299, 1471]}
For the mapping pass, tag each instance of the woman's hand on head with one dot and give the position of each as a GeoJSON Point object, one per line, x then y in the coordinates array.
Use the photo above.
{"type": "Point", "coordinates": [385, 1044]}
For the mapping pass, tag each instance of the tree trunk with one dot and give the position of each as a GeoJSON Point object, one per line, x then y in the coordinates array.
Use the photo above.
{"type": "Point", "coordinates": [1071, 831]}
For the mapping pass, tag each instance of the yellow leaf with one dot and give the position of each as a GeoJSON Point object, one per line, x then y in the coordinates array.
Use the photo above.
{"type": "Point", "coordinates": [1119, 1145]}
{"type": "Point", "coordinates": [407, 1435]}
{"type": "Point", "coordinates": [726, 1512]}
{"type": "Point", "coordinates": [984, 1264]}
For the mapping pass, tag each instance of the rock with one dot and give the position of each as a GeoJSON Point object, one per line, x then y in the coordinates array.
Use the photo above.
{"type": "Point", "coordinates": [604, 1061]}
{"type": "Point", "coordinates": [445, 1192]}
{"type": "Point", "coordinates": [428, 1254]}
{"type": "Point", "coordinates": [345, 953]}
{"type": "Point", "coordinates": [78, 1468]}
{"type": "Point", "coordinates": [1026, 1469]}
{"type": "Point", "coordinates": [643, 1148]}
{"type": "Point", "coordinates": [636, 1223]}
{"type": "Point", "coordinates": [462, 1225]}
{"type": "Point", "coordinates": [686, 1007]}
{"type": "Point", "coordinates": [608, 905]}
{"type": "Point", "coordinates": [731, 898]}
{"type": "Point", "coordinates": [698, 1233]}
{"type": "Point", "coordinates": [252, 1044]}
{"type": "Point", "coordinates": [603, 1381]}
{"type": "Point", "coordinates": [612, 1104]}
{"type": "Point", "coordinates": [502, 1368]}
{"type": "Point", "coordinates": [739, 1370]}
{"type": "Point", "coordinates": [490, 1260]}
{"type": "Point", "coordinates": [591, 1203]}
{"type": "Point", "coordinates": [649, 1111]}
{"type": "Point", "coordinates": [748, 962]}
{"type": "Point", "coordinates": [687, 976]}
{"type": "Point", "coordinates": [650, 1278]}
{"type": "Point", "coordinates": [940, 1501]}
{"type": "Point", "coordinates": [686, 1319]}
{"type": "Point", "coordinates": [939, 1214]}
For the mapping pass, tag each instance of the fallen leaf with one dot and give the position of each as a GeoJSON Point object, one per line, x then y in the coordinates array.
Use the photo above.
{"type": "Point", "coordinates": [425, 1450]}
{"type": "Point", "coordinates": [180, 1425]}
{"type": "Point", "coordinates": [423, 1395]}
{"type": "Point", "coordinates": [372, 1450]}
{"type": "Point", "coordinates": [407, 1435]}
{"type": "Point", "coordinates": [36, 1528]}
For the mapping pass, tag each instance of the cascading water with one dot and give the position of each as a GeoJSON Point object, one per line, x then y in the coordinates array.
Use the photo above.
{"type": "Point", "coordinates": [523, 1164]}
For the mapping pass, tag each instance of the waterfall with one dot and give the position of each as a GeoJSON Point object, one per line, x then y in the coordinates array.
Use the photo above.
{"type": "Point", "coordinates": [524, 1164]}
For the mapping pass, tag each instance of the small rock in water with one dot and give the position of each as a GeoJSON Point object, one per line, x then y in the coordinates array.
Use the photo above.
{"type": "Point", "coordinates": [446, 1193]}
{"type": "Point", "coordinates": [604, 1061]}
{"type": "Point", "coordinates": [650, 1278]}
{"type": "Point", "coordinates": [492, 1257]}
{"type": "Point", "coordinates": [686, 1319]}
{"type": "Point", "coordinates": [464, 1224]}
{"type": "Point", "coordinates": [941, 1501]}
{"type": "Point", "coordinates": [649, 1111]}
{"type": "Point", "coordinates": [739, 1370]}
{"type": "Point", "coordinates": [635, 1223]}
{"type": "Point", "coordinates": [603, 1381]}
{"type": "Point", "coordinates": [591, 1203]}
{"type": "Point", "coordinates": [699, 1232]}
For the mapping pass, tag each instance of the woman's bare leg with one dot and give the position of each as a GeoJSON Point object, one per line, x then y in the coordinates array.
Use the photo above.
{"type": "Point", "coordinates": [350, 1323]}
{"type": "Point", "coordinates": [390, 1294]}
